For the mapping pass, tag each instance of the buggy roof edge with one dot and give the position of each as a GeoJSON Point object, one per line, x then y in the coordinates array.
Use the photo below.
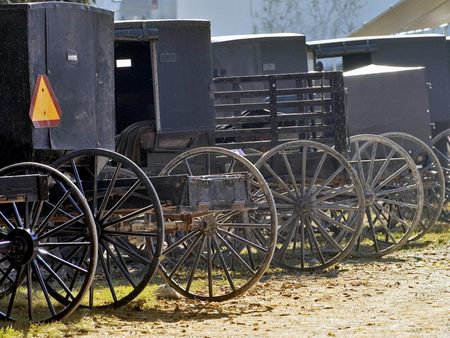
{"type": "Point", "coordinates": [54, 4]}
{"type": "Point", "coordinates": [233, 38]}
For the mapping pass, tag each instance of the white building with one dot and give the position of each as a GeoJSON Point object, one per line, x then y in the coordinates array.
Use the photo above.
{"type": "Point", "coordinates": [228, 17]}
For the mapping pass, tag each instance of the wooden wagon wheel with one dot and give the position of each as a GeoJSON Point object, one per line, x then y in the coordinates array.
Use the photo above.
{"type": "Point", "coordinates": [441, 147]}
{"type": "Point", "coordinates": [320, 204]}
{"type": "Point", "coordinates": [128, 217]}
{"type": "Point", "coordinates": [432, 177]}
{"type": "Point", "coordinates": [52, 254]}
{"type": "Point", "coordinates": [393, 192]}
{"type": "Point", "coordinates": [223, 253]}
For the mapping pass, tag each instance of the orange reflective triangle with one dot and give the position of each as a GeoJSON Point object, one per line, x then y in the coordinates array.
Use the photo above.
{"type": "Point", "coordinates": [45, 111]}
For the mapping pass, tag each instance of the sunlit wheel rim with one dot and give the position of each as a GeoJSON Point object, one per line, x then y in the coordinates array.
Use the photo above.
{"type": "Point", "coordinates": [224, 258]}
{"type": "Point", "coordinates": [128, 216]}
{"type": "Point", "coordinates": [50, 285]}
{"type": "Point", "coordinates": [320, 204]}
{"type": "Point", "coordinates": [393, 192]}
{"type": "Point", "coordinates": [432, 178]}
{"type": "Point", "coordinates": [441, 147]}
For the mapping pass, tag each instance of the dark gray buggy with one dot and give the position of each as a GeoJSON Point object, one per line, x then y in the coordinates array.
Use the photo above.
{"type": "Point", "coordinates": [208, 221]}
{"type": "Point", "coordinates": [391, 182]}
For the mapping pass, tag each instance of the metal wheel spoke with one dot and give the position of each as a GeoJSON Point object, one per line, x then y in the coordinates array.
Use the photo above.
{"type": "Point", "coordinates": [122, 200]}
{"type": "Point", "coordinates": [119, 264]}
{"type": "Point", "coordinates": [107, 275]}
{"type": "Point", "coordinates": [130, 216]}
{"type": "Point", "coordinates": [109, 190]}
{"type": "Point", "coordinates": [358, 157]}
{"type": "Point", "coordinates": [400, 204]}
{"type": "Point", "coordinates": [305, 150]}
{"type": "Point", "coordinates": [385, 227]}
{"type": "Point", "coordinates": [313, 239]}
{"type": "Point", "coordinates": [6, 221]}
{"type": "Point", "coordinates": [209, 258]}
{"type": "Point", "coordinates": [394, 216]}
{"type": "Point", "coordinates": [36, 214]}
{"type": "Point", "coordinates": [180, 241]}
{"type": "Point", "coordinates": [38, 274]}
{"type": "Point", "coordinates": [30, 292]}
{"type": "Point", "coordinates": [333, 192]}
{"type": "Point", "coordinates": [327, 218]}
{"type": "Point", "coordinates": [77, 176]}
{"type": "Point", "coordinates": [14, 291]}
{"type": "Point", "coordinates": [56, 277]}
{"type": "Point", "coordinates": [185, 256]}
{"type": "Point", "coordinates": [52, 212]}
{"type": "Point", "coordinates": [335, 206]}
{"type": "Point", "coordinates": [129, 250]}
{"type": "Point", "coordinates": [316, 173]}
{"type": "Point", "coordinates": [60, 228]}
{"type": "Point", "coordinates": [242, 239]}
{"type": "Point", "coordinates": [224, 264]}
{"type": "Point", "coordinates": [279, 180]}
{"type": "Point", "coordinates": [130, 233]}
{"type": "Point", "coordinates": [382, 169]}
{"type": "Point", "coordinates": [397, 190]}
{"type": "Point", "coordinates": [293, 228]}
{"type": "Point", "coordinates": [391, 177]}
{"type": "Point", "coordinates": [17, 216]}
{"type": "Point", "coordinates": [195, 265]}
{"type": "Point", "coordinates": [188, 167]}
{"type": "Point", "coordinates": [235, 254]}
{"type": "Point", "coordinates": [328, 181]}
{"type": "Point", "coordinates": [372, 161]}
{"type": "Point", "coordinates": [372, 229]}
{"type": "Point", "coordinates": [277, 195]}
{"type": "Point", "coordinates": [290, 172]}
{"type": "Point", "coordinates": [6, 274]}
{"type": "Point", "coordinates": [246, 225]}
{"type": "Point", "coordinates": [62, 261]}
{"type": "Point", "coordinates": [326, 235]}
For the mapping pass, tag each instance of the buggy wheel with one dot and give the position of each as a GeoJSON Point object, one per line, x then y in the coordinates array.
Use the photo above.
{"type": "Point", "coordinates": [320, 204]}
{"type": "Point", "coordinates": [51, 259]}
{"type": "Point", "coordinates": [441, 147]}
{"type": "Point", "coordinates": [393, 193]}
{"type": "Point", "coordinates": [128, 217]}
{"type": "Point", "coordinates": [221, 253]}
{"type": "Point", "coordinates": [432, 178]}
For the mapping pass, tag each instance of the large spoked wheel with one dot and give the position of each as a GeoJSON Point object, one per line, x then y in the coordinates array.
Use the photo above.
{"type": "Point", "coordinates": [320, 204]}
{"type": "Point", "coordinates": [432, 178]}
{"type": "Point", "coordinates": [441, 147]}
{"type": "Point", "coordinates": [393, 194]}
{"type": "Point", "coordinates": [218, 255]}
{"type": "Point", "coordinates": [49, 248]}
{"type": "Point", "coordinates": [128, 217]}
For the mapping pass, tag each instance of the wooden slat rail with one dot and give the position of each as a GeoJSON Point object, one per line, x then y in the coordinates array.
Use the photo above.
{"type": "Point", "coordinates": [259, 112]}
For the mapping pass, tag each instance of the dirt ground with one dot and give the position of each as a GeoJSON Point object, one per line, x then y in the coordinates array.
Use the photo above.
{"type": "Point", "coordinates": [405, 294]}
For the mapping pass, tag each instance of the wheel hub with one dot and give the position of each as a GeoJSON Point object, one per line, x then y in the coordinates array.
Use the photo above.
{"type": "Point", "coordinates": [24, 246]}
{"type": "Point", "coordinates": [209, 225]}
{"type": "Point", "coordinates": [370, 197]}
{"type": "Point", "coordinates": [303, 205]}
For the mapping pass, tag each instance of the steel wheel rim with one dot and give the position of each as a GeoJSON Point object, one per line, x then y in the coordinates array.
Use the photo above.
{"type": "Point", "coordinates": [319, 224]}
{"type": "Point", "coordinates": [129, 248]}
{"type": "Point", "coordinates": [221, 251]}
{"type": "Point", "coordinates": [64, 266]}
{"type": "Point", "coordinates": [392, 187]}
{"type": "Point", "coordinates": [432, 177]}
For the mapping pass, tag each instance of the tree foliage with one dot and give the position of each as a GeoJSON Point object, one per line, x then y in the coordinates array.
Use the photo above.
{"type": "Point", "coordinates": [317, 19]}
